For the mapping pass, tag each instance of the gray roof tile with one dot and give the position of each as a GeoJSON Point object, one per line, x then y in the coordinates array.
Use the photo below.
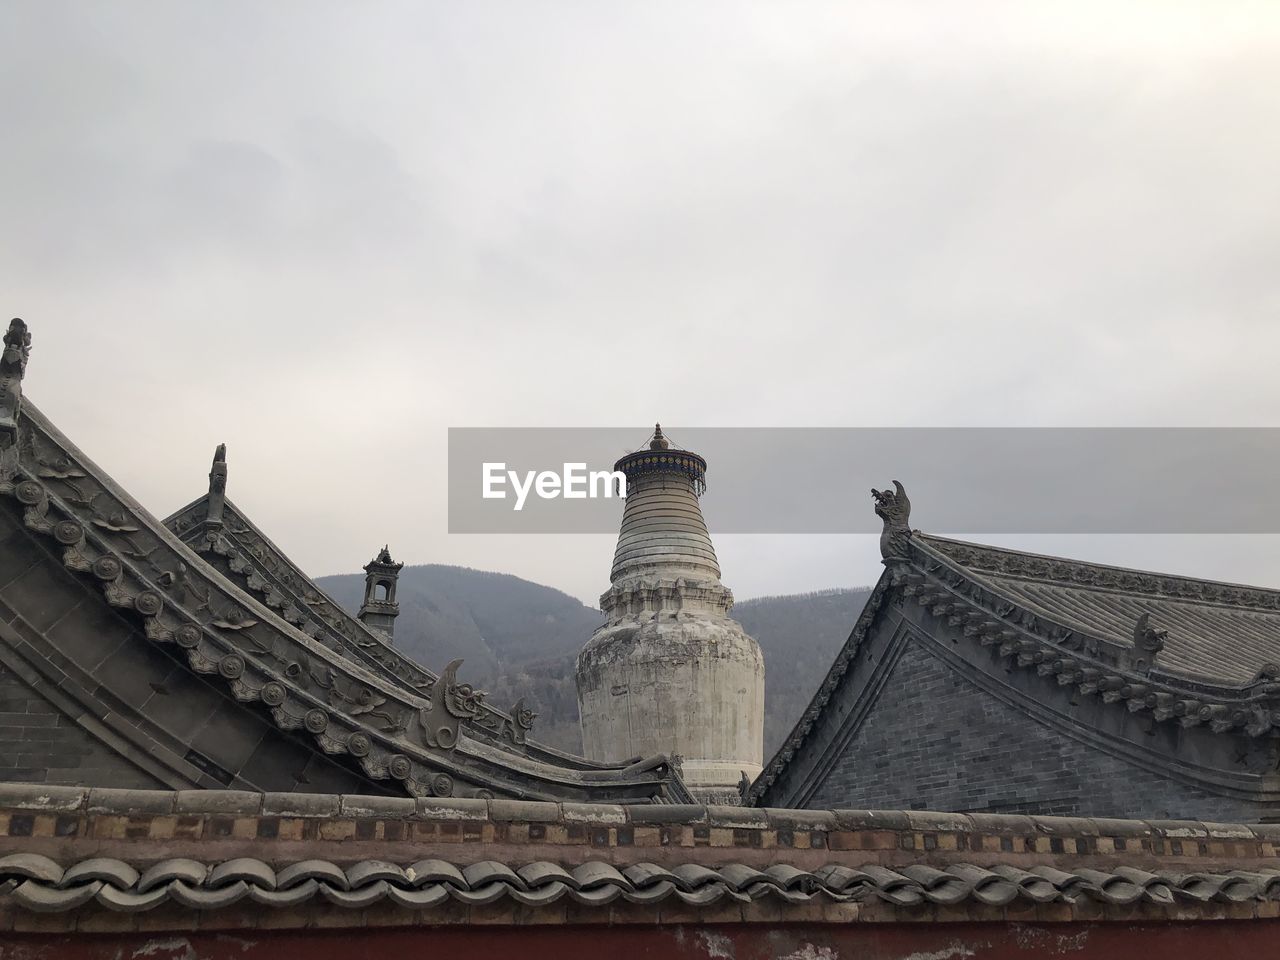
{"type": "Point", "coordinates": [436, 872]}
{"type": "Point", "coordinates": [242, 868]}
{"type": "Point", "coordinates": [304, 870]}
{"type": "Point", "coordinates": [180, 868]}
{"type": "Point", "coordinates": [115, 872]}
{"type": "Point", "coordinates": [297, 894]}
{"type": "Point", "coordinates": [31, 866]}
{"type": "Point", "coordinates": [42, 885]}
{"type": "Point", "coordinates": [1217, 631]}
{"type": "Point", "coordinates": [357, 899]}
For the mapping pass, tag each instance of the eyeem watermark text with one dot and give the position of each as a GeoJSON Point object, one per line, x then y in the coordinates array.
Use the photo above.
{"type": "Point", "coordinates": [962, 481]}
{"type": "Point", "coordinates": [574, 482]}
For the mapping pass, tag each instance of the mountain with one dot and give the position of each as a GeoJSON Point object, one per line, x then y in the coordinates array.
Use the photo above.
{"type": "Point", "coordinates": [520, 639]}
{"type": "Point", "coordinates": [799, 635]}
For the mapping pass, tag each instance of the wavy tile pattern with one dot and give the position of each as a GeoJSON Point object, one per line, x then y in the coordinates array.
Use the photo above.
{"type": "Point", "coordinates": [40, 884]}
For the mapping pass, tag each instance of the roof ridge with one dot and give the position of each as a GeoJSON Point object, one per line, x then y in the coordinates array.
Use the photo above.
{"type": "Point", "coordinates": [376, 655]}
{"type": "Point", "coordinates": [112, 801]}
{"type": "Point", "coordinates": [219, 629]}
{"type": "Point", "coordinates": [947, 544]}
{"type": "Point", "coordinates": [44, 885]}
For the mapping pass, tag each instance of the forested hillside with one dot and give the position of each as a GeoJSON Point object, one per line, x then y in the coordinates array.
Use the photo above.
{"type": "Point", "coordinates": [519, 639]}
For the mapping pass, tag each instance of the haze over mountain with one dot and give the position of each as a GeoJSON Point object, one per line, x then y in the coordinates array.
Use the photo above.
{"type": "Point", "coordinates": [520, 639]}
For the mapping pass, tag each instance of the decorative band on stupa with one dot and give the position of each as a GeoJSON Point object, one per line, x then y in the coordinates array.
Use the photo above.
{"type": "Point", "coordinates": [660, 458]}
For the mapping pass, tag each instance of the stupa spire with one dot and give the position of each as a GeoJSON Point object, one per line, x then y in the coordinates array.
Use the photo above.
{"type": "Point", "coordinates": [663, 532]}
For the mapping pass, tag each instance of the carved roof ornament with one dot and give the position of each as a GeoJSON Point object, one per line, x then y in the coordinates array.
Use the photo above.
{"type": "Point", "coordinates": [659, 442]}
{"type": "Point", "coordinates": [13, 365]}
{"type": "Point", "coordinates": [451, 703]}
{"type": "Point", "coordinates": [522, 718]}
{"type": "Point", "coordinates": [217, 490]}
{"type": "Point", "coordinates": [1267, 673]}
{"type": "Point", "coordinates": [382, 563]}
{"type": "Point", "coordinates": [1147, 642]}
{"type": "Point", "coordinates": [894, 508]}
{"type": "Point", "coordinates": [285, 588]}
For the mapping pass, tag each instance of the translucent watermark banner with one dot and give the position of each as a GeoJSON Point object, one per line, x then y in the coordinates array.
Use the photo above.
{"type": "Point", "coordinates": [818, 480]}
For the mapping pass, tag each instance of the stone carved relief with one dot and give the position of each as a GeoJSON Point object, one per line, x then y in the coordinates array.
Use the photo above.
{"type": "Point", "coordinates": [513, 729]}
{"type": "Point", "coordinates": [451, 703]}
{"type": "Point", "coordinates": [522, 722]}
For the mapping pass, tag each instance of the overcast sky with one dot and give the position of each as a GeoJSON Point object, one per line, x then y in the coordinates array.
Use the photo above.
{"type": "Point", "coordinates": [323, 233]}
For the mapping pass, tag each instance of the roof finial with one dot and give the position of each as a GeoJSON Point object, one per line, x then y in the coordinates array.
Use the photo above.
{"type": "Point", "coordinates": [217, 489]}
{"type": "Point", "coordinates": [13, 364]}
{"type": "Point", "coordinates": [894, 508]}
{"type": "Point", "coordinates": [1147, 642]}
{"type": "Point", "coordinates": [659, 442]}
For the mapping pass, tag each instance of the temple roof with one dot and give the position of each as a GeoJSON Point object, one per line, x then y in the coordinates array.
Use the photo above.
{"type": "Point", "coordinates": [1218, 632]}
{"type": "Point", "coordinates": [90, 553]}
{"type": "Point", "coordinates": [249, 557]}
{"type": "Point", "coordinates": [1197, 655]}
{"type": "Point", "coordinates": [243, 553]}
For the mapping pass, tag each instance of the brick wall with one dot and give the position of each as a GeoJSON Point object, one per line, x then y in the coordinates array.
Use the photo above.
{"type": "Point", "coordinates": [40, 745]}
{"type": "Point", "coordinates": [935, 741]}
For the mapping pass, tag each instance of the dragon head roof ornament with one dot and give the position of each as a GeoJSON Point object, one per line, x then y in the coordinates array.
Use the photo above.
{"type": "Point", "coordinates": [894, 508]}
{"type": "Point", "coordinates": [13, 364]}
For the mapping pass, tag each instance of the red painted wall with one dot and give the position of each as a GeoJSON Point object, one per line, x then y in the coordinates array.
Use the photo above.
{"type": "Point", "coordinates": [1219, 940]}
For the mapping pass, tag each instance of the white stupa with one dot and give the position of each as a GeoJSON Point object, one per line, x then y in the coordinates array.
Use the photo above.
{"type": "Point", "coordinates": [670, 671]}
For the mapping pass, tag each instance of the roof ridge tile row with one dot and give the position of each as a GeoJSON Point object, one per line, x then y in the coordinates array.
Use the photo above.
{"type": "Point", "coordinates": [108, 801]}
{"type": "Point", "coordinates": [40, 884]}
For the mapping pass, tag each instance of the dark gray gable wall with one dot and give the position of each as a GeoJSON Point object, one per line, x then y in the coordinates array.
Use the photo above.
{"type": "Point", "coordinates": [39, 743]}
{"type": "Point", "coordinates": [89, 701]}
{"type": "Point", "coordinates": [935, 740]}
{"type": "Point", "coordinates": [924, 717]}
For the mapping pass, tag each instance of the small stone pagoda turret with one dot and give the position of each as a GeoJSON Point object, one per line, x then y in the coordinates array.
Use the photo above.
{"type": "Point", "coordinates": [380, 608]}
{"type": "Point", "coordinates": [669, 671]}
